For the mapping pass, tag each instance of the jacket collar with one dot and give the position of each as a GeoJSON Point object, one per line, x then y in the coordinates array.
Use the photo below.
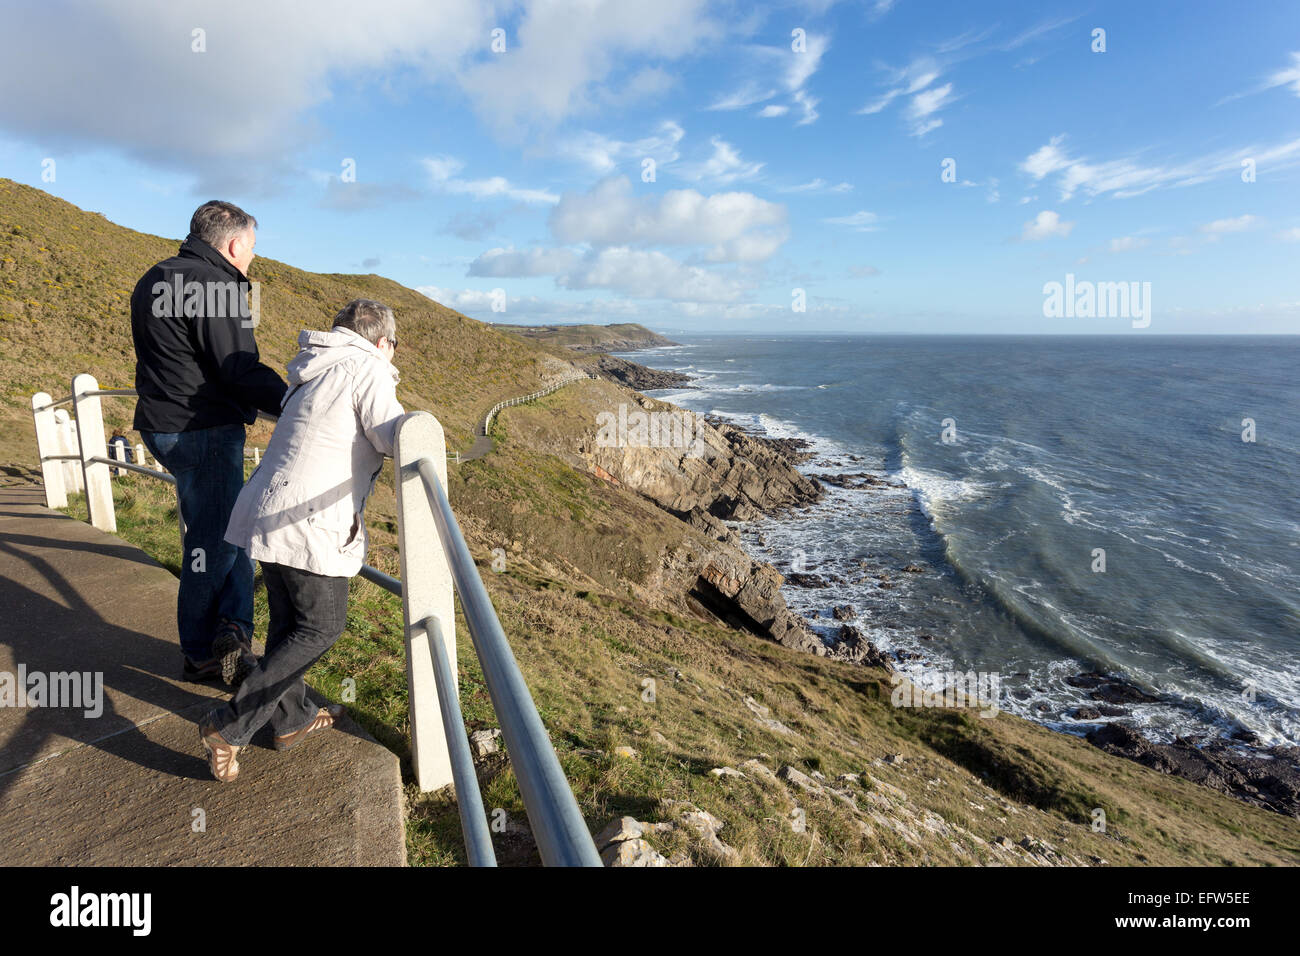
{"type": "Point", "coordinates": [195, 248]}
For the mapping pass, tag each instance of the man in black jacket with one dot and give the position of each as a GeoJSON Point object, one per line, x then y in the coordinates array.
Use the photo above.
{"type": "Point", "coordinates": [200, 381]}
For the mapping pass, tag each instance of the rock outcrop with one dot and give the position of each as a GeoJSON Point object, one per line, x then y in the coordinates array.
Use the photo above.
{"type": "Point", "coordinates": [637, 376]}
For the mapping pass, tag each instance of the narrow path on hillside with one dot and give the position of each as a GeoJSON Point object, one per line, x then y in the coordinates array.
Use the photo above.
{"type": "Point", "coordinates": [483, 442]}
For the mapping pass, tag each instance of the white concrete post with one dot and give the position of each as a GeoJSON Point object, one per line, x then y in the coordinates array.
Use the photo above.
{"type": "Point", "coordinates": [119, 453]}
{"type": "Point", "coordinates": [139, 456]}
{"type": "Point", "coordinates": [90, 438]}
{"type": "Point", "coordinates": [48, 443]}
{"type": "Point", "coordinates": [68, 438]}
{"type": "Point", "coordinates": [68, 446]}
{"type": "Point", "coordinates": [426, 590]}
{"type": "Point", "coordinates": [257, 456]}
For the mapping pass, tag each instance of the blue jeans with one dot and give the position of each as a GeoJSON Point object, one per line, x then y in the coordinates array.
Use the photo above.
{"type": "Point", "coordinates": [216, 577]}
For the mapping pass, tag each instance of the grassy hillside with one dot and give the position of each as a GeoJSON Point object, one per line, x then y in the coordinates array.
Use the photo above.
{"type": "Point", "coordinates": [585, 602]}
{"type": "Point", "coordinates": [65, 282]}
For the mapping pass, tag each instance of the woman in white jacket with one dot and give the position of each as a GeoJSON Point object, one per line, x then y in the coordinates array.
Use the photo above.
{"type": "Point", "coordinates": [302, 515]}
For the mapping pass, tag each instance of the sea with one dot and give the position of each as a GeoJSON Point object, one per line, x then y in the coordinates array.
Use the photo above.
{"type": "Point", "coordinates": [1068, 506]}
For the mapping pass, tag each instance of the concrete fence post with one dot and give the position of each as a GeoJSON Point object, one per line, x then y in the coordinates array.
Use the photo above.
{"type": "Point", "coordinates": [426, 590]}
{"type": "Point", "coordinates": [119, 453]}
{"type": "Point", "coordinates": [139, 455]}
{"type": "Point", "coordinates": [68, 441]}
{"type": "Point", "coordinates": [90, 438]}
{"type": "Point", "coordinates": [48, 443]}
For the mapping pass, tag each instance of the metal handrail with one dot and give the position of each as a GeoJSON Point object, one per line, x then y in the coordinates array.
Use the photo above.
{"type": "Point", "coordinates": [469, 800]}
{"type": "Point", "coordinates": [558, 827]}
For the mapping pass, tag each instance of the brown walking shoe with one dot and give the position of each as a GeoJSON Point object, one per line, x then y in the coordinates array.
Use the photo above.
{"type": "Point", "coordinates": [232, 651]}
{"type": "Point", "coordinates": [221, 755]}
{"type": "Point", "coordinates": [325, 718]}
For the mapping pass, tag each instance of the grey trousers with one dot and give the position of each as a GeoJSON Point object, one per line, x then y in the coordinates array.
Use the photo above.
{"type": "Point", "coordinates": [308, 614]}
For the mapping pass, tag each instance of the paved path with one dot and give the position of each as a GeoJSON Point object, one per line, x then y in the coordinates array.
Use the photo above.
{"type": "Point", "coordinates": [124, 787]}
{"type": "Point", "coordinates": [484, 444]}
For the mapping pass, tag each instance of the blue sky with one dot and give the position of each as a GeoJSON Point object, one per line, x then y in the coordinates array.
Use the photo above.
{"type": "Point", "coordinates": [517, 176]}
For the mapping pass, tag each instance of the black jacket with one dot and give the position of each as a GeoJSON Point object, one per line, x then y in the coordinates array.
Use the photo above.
{"type": "Point", "coordinates": [196, 364]}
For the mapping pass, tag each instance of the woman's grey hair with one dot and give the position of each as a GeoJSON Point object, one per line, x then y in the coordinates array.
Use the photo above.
{"type": "Point", "coordinates": [369, 319]}
{"type": "Point", "coordinates": [217, 222]}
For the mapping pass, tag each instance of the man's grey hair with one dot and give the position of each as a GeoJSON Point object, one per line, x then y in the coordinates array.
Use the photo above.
{"type": "Point", "coordinates": [217, 222]}
{"type": "Point", "coordinates": [369, 319]}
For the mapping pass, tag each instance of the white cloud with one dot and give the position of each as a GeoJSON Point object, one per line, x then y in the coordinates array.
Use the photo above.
{"type": "Point", "coordinates": [747, 95]}
{"type": "Point", "coordinates": [862, 221]}
{"type": "Point", "coordinates": [442, 172]}
{"type": "Point", "coordinates": [603, 154]}
{"type": "Point", "coordinates": [265, 66]}
{"type": "Point", "coordinates": [724, 166]}
{"type": "Point", "coordinates": [738, 226]}
{"type": "Point", "coordinates": [559, 55]}
{"type": "Point", "coordinates": [1290, 235]}
{"type": "Point", "coordinates": [819, 185]}
{"type": "Point", "coordinates": [1034, 32]}
{"type": "Point", "coordinates": [1045, 225]}
{"type": "Point", "coordinates": [809, 106]}
{"type": "Point", "coordinates": [502, 263]}
{"type": "Point", "coordinates": [1222, 226]}
{"type": "Point", "coordinates": [650, 274]}
{"type": "Point", "coordinates": [1287, 76]}
{"type": "Point", "coordinates": [1123, 178]}
{"type": "Point", "coordinates": [915, 81]}
{"type": "Point", "coordinates": [793, 70]}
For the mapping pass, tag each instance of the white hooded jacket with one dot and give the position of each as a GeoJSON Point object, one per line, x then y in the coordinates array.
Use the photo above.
{"type": "Point", "coordinates": [304, 506]}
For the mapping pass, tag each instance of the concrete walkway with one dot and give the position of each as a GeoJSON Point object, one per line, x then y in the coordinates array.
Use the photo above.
{"type": "Point", "coordinates": [131, 785]}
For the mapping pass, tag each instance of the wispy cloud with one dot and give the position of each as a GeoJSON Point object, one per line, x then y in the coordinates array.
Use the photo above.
{"type": "Point", "coordinates": [1288, 76]}
{"type": "Point", "coordinates": [775, 70]}
{"type": "Point", "coordinates": [861, 221]}
{"type": "Point", "coordinates": [725, 165]}
{"type": "Point", "coordinates": [443, 171]}
{"type": "Point", "coordinates": [1128, 176]}
{"type": "Point", "coordinates": [1038, 30]}
{"type": "Point", "coordinates": [1223, 226]}
{"type": "Point", "coordinates": [603, 154]}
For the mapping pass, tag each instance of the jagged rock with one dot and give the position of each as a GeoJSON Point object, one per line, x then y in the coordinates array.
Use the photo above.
{"type": "Point", "coordinates": [484, 742]}
{"type": "Point", "coordinates": [758, 768]}
{"type": "Point", "coordinates": [844, 612]}
{"type": "Point", "coordinates": [706, 825]}
{"type": "Point", "coordinates": [914, 568]}
{"type": "Point", "coordinates": [736, 587]}
{"type": "Point", "coordinates": [799, 779]}
{"type": "Point", "coordinates": [849, 778]}
{"type": "Point", "coordinates": [633, 853]}
{"type": "Point", "coordinates": [1272, 783]}
{"type": "Point", "coordinates": [726, 772]}
{"type": "Point", "coordinates": [624, 828]}
{"type": "Point", "coordinates": [625, 751]}
{"type": "Point", "coordinates": [853, 645]}
{"type": "Point", "coordinates": [638, 376]}
{"type": "Point", "coordinates": [802, 579]}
